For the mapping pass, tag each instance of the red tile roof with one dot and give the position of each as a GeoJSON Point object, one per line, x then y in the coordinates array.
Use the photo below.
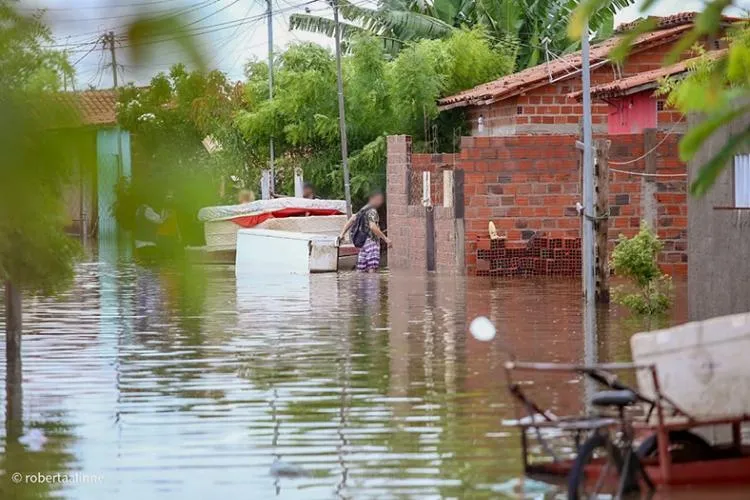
{"type": "Point", "coordinates": [678, 19]}
{"type": "Point", "coordinates": [669, 28]}
{"type": "Point", "coordinates": [641, 81]}
{"type": "Point", "coordinates": [94, 107]}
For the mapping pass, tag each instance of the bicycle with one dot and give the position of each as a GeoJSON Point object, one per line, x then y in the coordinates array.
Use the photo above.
{"type": "Point", "coordinates": [610, 454]}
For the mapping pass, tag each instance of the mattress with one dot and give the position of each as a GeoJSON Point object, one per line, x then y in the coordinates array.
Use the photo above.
{"type": "Point", "coordinates": [222, 234]}
{"type": "Point", "coordinates": [247, 214]}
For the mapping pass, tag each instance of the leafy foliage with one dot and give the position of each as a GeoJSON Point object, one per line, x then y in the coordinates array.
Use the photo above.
{"type": "Point", "coordinates": [382, 97]}
{"type": "Point", "coordinates": [717, 87]}
{"type": "Point", "coordinates": [523, 30]}
{"type": "Point", "coordinates": [170, 119]}
{"type": "Point", "coordinates": [635, 259]}
{"type": "Point", "coordinates": [38, 141]}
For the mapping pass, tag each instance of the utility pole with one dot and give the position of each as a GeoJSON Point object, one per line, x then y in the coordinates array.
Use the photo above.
{"type": "Point", "coordinates": [588, 172]}
{"type": "Point", "coordinates": [589, 216]}
{"type": "Point", "coordinates": [271, 152]}
{"type": "Point", "coordinates": [109, 40]}
{"type": "Point", "coordinates": [342, 116]}
{"type": "Point", "coordinates": [601, 189]}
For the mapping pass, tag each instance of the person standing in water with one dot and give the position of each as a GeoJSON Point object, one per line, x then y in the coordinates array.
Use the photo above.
{"type": "Point", "coordinates": [147, 223]}
{"type": "Point", "coordinates": [369, 254]}
{"type": "Point", "coordinates": [308, 191]}
{"type": "Point", "coordinates": [245, 196]}
{"type": "Point", "coordinates": [168, 232]}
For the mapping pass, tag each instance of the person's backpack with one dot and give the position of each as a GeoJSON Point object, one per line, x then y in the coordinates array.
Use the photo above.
{"type": "Point", "coordinates": [359, 231]}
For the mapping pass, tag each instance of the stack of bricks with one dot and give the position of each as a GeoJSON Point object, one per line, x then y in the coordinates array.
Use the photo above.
{"type": "Point", "coordinates": [540, 256]}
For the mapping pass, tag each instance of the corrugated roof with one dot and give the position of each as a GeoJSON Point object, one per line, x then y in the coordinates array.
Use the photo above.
{"type": "Point", "coordinates": [94, 107]}
{"type": "Point", "coordinates": [641, 81]}
{"type": "Point", "coordinates": [668, 29]}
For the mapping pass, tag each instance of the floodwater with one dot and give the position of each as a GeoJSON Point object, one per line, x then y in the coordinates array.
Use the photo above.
{"type": "Point", "coordinates": [143, 384]}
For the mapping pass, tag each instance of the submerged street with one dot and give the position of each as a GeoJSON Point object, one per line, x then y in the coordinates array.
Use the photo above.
{"type": "Point", "coordinates": [193, 385]}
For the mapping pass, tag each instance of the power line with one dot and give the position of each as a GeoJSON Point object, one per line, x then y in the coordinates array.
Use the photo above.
{"type": "Point", "coordinates": [168, 12]}
{"type": "Point", "coordinates": [230, 37]}
{"type": "Point", "coordinates": [212, 28]}
{"type": "Point", "coordinates": [211, 14]}
{"type": "Point", "coordinates": [92, 7]}
{"type": "Point", "coordinates": [119, 16]}
{"type": "Point", "coordinates": [87, 53]}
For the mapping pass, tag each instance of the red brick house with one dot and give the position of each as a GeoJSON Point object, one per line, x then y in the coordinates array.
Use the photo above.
{"type": "Point", "coordinates": [521, 169]}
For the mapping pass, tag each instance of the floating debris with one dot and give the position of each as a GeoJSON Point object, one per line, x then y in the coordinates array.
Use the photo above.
{"type": "Point", "coordinates": [34, 440]}
{"type": "Point", "coordinates": [283, 469]}
{"type": "Point", "coordinates": [482, 329]}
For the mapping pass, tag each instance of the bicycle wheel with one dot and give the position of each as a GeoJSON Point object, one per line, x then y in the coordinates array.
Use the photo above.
{"type": "Point", "coordinates": [597, 471]}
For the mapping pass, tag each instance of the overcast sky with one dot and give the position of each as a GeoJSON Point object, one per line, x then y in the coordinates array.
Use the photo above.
{"type": "Point", "coordinates": [77, 23]}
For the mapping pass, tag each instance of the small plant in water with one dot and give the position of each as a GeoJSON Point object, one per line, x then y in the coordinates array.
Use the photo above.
{"type": "Point", "coordinates": [635, 258]}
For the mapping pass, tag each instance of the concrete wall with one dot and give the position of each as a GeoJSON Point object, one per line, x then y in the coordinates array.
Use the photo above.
{"type": "Point", "coordinates": [719, 239]}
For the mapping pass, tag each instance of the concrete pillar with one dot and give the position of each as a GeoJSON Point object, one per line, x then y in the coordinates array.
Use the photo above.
{"type": "Point", "coordinates": [265, 185]}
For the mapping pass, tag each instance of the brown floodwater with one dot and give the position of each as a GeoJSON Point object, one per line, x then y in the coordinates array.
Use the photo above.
{"type": "Point", "coordinates": [174, 384]}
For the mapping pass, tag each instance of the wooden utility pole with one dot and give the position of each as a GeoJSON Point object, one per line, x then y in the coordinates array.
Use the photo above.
{"type": "Point", "coordinates": [109, 41]}
{"type": "Point", "coordinates": [601, 189]}
{"type": "Point", "coordinates": [342, 116]}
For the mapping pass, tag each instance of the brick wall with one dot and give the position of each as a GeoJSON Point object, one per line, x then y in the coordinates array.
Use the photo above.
{"type": "Point", "coordinates": [407, 217]}
{"type": "Point", "coordinates": [435, 164]}
{"type": "Point", "coordinates": [528, 186]}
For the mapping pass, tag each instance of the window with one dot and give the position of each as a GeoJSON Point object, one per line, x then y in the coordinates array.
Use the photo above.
{"type": "Point", "coordinates": [742, 181]}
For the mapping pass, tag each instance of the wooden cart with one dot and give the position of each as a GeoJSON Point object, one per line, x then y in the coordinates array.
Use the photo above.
{"type": "Point", "coordinates": [669, 452]}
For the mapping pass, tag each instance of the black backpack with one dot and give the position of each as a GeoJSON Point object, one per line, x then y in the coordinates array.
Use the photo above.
{"type": "Point", "coordinates": [360, 231]}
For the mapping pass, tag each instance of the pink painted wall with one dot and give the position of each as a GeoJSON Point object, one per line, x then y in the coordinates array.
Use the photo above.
{"type": "Point", "coordinates": [632, 114]}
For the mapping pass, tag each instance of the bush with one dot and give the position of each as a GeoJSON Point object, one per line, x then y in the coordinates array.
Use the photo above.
{"type": "Point", "coordinates": [635, 259]}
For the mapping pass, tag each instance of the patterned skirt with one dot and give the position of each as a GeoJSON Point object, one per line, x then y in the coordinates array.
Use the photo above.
{"type": "Point", "coordinates": [369, 256]}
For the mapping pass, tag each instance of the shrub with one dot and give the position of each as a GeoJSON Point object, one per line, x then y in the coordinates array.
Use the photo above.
{"type": "Point", "coordinates": [635, 258]}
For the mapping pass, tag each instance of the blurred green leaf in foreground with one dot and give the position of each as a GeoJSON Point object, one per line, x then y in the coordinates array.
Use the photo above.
{"type": "Point", "coordinates": [41, 142]}
{"type": "Point", "coordinates": [717, 88]}
{"type": "Point", "coordinates": [38, 138]}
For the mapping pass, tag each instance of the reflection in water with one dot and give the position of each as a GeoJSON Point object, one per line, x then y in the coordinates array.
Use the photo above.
{"type": "Point", "coordinates": [177, 383]}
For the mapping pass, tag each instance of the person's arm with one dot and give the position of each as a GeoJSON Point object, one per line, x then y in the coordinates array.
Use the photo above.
{"type": "Point", "coordinates": [152, 216]}
{"type": "Point", "coordinates": [347, 226]}
{"type": "Point", "coordinates": [375, 228]}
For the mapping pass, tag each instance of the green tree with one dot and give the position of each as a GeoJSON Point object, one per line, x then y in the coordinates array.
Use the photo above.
{"type": "Point", "coordinates": [37, 142]}
{"type": "Point", "coordinates": [525, 29]}
{"type": "Point", "coordinates": [40, 140]}
{"type": "Point", "coordinates": [171, 118]}
{"type": "Point", "coordinates": [636, 259]}
{"type": "Point", "coordinates": [384, 97]}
